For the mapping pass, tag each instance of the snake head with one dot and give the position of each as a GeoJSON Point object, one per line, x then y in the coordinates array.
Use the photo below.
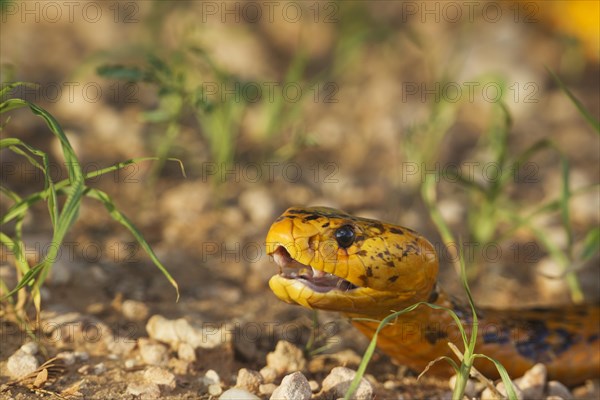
{"type": "Point", "coordinates": [331, 260]}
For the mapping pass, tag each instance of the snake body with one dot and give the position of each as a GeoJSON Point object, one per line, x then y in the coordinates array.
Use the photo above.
{"type": "Point", "coordinates": [365, 268]}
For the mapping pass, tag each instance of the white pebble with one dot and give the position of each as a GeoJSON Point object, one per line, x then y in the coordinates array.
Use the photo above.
{"type": "Point", "coordinates": [532, 383]}
{"type": "Point", "coordinates": [557, 389]}
{"type": "Point", "coordinates": [186, 352]}
{"type": "Point", "coordinates": [214, 389]}
{"type": "Point", "coordinates": [82, 355]}
{"type": "Point", "coordinates": [269, 374]}
{"type": "Point", "coordinates": [211, 378]}
{"type": "Point", "coordinates": [249, 380]}
{"type": "Point", "coordinates": [68, 357]}
{"type": "Point", "coordinates": [338, 381]}
{"type": "Point", "coordinates": [286, 358]}
{"type": "Point", "coordinates": [487, 394]}
{"type": "Point", "coordinates": [21, 364]}
{"type": "Point", "coordinates": [176, 331]}
{"type": "Point", "coordinates": [238, 394]}
{"type": "Point", "coordinates": [30, 348]}
{"type": "Point", "coordinates": [293, 387]}
{"type": "Point", "coordinates": [99, 369]}
{"type": "Point", "coordinates": [153, 353]}
{"type": "Point", "coordinates": [267, 389]}
{"type": "Point", "coordinates": [134, 310]}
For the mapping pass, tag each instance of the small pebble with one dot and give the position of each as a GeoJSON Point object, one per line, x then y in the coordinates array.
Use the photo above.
{"type": "Point", "coordinates": [269, 374]}
{"type": "Point", "coordinates": [390, 385]}
{"type": "Point", "coordinates": [153, 353]}
{"type": "Point", "coordinates": [68, 357]}
{"type": "Point", "coordinates": [214, 389]}
{"type": "Point", "coordinates": [211, 378]}
{"type": "Point", "coordinates": [267, 389]}
{"type": "Point", "coordinates": [314, 386]}
{"type": "Point", "coordinates": [176, 331]}
{"type": "Point", "coordinates": [186, 352]}
{"type": "Point", "coordinates": [161, 377]}
{"type": "Point", "coordinates": [130, 363]}
{"type": "Point", "coordinates": [147, 391]}
{"type": "Point", "coordinates": [532, 383]}
{"type": "Point", "coordinates": [293, 387]}
{"type": "Point", "coordinates": [99, 369]}
{"type": "Point", "coordinates": [557, 389]}
{"type": "Point", "coordinates": [286, 358]}
{"type": "Point", "coordinates": [82, 355]}
{"type": "Point", "coordinates": [238, 394]}
{"type": "Point", "coordinates": [21, 364]}
{"type": "Point", "coordinates": [487, 394]}
{"type": "Point", "coordinates": [30, 348]}
{"type": "Point", "coordinates": [249, 380]}
{"type": "Point", "coordinates": [338, 381]}
{"type": "Point", "coordinates": [134, 310]}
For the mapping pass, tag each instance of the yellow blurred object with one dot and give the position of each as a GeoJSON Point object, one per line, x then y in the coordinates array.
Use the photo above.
{"type": "Point", "coordinates": [577, 18]}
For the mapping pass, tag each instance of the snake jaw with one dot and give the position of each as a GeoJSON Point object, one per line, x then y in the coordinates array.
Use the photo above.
{"type": "Point", "coordinates": [317, 280]}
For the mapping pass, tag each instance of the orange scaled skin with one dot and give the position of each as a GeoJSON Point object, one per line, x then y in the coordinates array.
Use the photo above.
{"type": "Point", "coordinates": [394, 267]}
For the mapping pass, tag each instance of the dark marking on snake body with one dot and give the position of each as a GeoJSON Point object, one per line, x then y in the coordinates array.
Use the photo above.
{"type": "Point", "coordinates": [397, 231]}
{"type": "Point", "coordinates": [310, 218]}
{"type": "Point", "coordinates": [434, 333]}
{"type": "Point", "coordinates": [433, 296]}
{"type": "Point", "coordinates": [364, 279]}
{"type": "Point", "coordinates": [393, 278]}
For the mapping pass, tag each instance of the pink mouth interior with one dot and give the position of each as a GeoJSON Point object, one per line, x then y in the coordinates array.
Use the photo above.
{"type": "Point", "coordinates": [316, 280]}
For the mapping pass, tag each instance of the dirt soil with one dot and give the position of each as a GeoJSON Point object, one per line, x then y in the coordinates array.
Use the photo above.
{"type": "Point", "coordinates": [351, 152]}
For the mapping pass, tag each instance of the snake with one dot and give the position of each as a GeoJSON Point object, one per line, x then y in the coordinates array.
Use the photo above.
{"type": "Point", "coordinates": [366, 269]}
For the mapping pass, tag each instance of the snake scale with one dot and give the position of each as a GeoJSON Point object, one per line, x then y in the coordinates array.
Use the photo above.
{"type": "Point", "coordinates": [365, 268]}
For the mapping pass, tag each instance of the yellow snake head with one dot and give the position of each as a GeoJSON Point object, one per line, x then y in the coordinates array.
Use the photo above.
{"type": "Point", "coordinates": [331, 260]}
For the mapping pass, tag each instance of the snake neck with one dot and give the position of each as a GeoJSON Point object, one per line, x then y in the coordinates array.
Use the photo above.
{"type": "Point", "coordinates": [413, 337]}
{"type": "Point", "coordinates": [436, 297]}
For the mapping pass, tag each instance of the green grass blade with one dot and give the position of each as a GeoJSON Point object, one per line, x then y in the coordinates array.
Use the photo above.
{"type": "Point", "coordinates": [17, 250]}
{"type": "Point", "coordinates": [26, 279]}
{"type": "Point", "coordinates": [8, 87]}
{"type": "Point", "coordinates": [12, 104]}
{"type": "Point", "coordinates": [71, 160]}
{"type": "Point", "coordinates": [373, 343]}
{"type": "Point", "coordinates": [591, 244]}
{"type": "Point", "coordinates": [580, 107]}
{"type": "Point", "coordinates": [565, 198]}
{"type": "Point", "coordinates": [123, 220]}
{"type": "Point", "coordinates": [510, 390]}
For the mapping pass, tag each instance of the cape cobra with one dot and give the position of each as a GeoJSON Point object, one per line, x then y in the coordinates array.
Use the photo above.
{"type": "Point", "coordinates": [365, 268]}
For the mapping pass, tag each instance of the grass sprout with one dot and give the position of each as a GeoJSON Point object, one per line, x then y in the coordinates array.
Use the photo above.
{"type": "Point", "coordinates": [62, 214]}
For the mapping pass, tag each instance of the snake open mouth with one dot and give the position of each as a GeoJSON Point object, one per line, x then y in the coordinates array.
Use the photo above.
{"type": "Point", "coordinates": [315, 279]}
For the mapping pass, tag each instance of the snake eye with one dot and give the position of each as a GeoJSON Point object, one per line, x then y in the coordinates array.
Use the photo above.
{"type": "Point", "coordinates": [344, 236]}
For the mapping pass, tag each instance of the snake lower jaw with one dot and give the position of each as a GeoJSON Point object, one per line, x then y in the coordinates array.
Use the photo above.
{"type": "Point", "coordinates": [317, 280]}
{"type": "Point", "coordinates": [355, 301]}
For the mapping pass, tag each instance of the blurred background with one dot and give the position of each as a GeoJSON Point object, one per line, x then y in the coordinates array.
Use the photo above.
{"type": "Point", "coordinates": [354, 105]}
